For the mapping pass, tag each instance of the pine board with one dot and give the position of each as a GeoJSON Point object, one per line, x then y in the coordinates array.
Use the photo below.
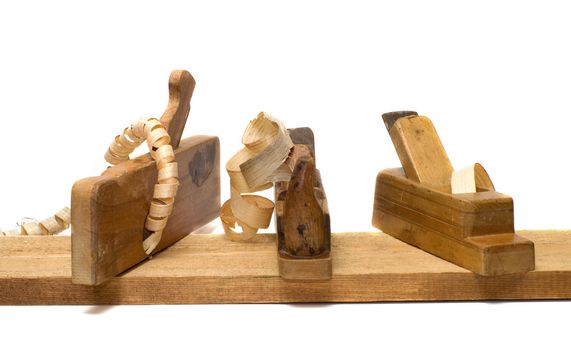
{"type": "Point", "coordinates": [207, 268]}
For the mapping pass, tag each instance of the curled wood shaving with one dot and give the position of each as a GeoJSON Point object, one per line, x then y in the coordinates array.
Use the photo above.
{"type": "Point", "coordinates": [255, 168]}
{"type": "Point", "coordinates": [471, 179]}
{"type": "Point", "coordinates": [158, 141]}
{"type": "Point", "coordinates": [50, 226]}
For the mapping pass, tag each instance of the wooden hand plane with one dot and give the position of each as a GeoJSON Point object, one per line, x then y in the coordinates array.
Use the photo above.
{"type": "Point", "coordinates": [302, 215]}
{"type": "Point", "coordinates": [109, 211]}
{"type": "Point", "coordinates": [416, 204]}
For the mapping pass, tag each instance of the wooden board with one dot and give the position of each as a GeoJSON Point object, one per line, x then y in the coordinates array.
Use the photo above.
{"type": "Point", "coordinates": [211, 269]}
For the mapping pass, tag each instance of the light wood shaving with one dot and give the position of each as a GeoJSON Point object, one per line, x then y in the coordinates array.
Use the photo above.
{"type": "Point", "coordinates": [255, 168]}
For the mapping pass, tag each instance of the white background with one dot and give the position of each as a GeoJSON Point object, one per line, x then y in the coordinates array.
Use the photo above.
{"type": "Point", "coordinates": [493, 76]}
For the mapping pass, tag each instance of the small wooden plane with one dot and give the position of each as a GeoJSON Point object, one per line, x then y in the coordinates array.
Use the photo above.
{"type": "Point", "coordinates": [302, 215]}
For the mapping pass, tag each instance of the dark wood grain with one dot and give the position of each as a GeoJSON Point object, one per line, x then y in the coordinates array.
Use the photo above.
{"type": "Point", "coordinates": [303, 136]}
{"type": "Point", "coordinates": [302, 215]}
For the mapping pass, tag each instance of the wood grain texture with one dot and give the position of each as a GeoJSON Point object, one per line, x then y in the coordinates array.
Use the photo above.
{"type": "Point", "coordinates": [457, 215]}
{"type": "Point", "coordinates": [415, 204]}
{"type": "Point", "coordinates": [419, 149]}
{"type": "Point", "coordinates": [303, 226]}
{"type": "Point", "coordinates": [472, 230]}
{"type": "Point", "coordinates": [302, 215]}
{"type": "Point", "coordinates": [471, 179]}
{"type": "Point", "coordinates": [211, 269]}
{"type": "Point", "coordinates": [303, 136]}
{"type": "Point", "coordinates": [181, 88]}
{"type": "Point", "coordinates": [109, 211]}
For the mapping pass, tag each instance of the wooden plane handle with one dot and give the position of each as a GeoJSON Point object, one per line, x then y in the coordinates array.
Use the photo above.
{"type": "Point", "coordinates": [304, 219]}
{"type": "Point", "coordinates": [181, 87]}
{"type": "Point", "coordinates": [420, 150]}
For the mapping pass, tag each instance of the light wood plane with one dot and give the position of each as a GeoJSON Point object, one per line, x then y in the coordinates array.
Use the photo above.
{"type": "Point", "coordinates": [416, 205]}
